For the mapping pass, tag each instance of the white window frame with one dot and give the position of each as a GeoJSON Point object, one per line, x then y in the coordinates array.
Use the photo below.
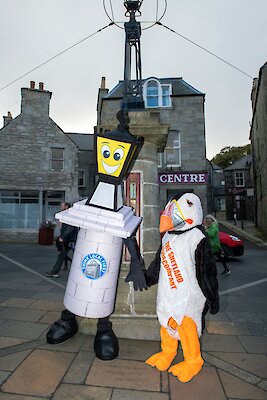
{"type": "Point", "coordinates": [160, 93]}
{"type": "Point", "coordinates": [221, 204]}
{"type": "Point", "coordinates": [81, 171]}
{"type": "Point", "coordinates": [176, 146]}
{"type": "Point", "coordinates": [239, 176]}
{"type": "Point", "coordinates": [56, 159]}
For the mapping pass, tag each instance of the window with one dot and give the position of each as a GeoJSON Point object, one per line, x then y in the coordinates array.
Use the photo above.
{"type": "Point", "coordinates": [81, 178]}
{"type": "Point", "coordinates": [239, 179]}
{"type": "Point", "coordinates": [152, 94]}
{"type": "Point", "coordinates": [157, 94]}
{"type": "Point", "coordinates": [57, 159]}
{"type": "Point", "coordinates": [172, 152]}
{"type": "Point", "coordinates": [160, 160]}
{"type": "Point", "coordinates": [221, 204]}
{"type": "Point", "coordinates": [19, 210]}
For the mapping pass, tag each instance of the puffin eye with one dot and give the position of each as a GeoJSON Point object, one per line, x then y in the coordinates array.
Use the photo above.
{"type": "Point", "coordinates": [118, 154]}
{"type": "Point", "coordinates": [189, 203]}
{"type": "Point", "coordinates": [105, 151]}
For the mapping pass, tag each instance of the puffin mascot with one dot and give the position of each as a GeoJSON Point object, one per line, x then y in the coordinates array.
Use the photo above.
{"type": "Point", "coordinates": [187, 286]}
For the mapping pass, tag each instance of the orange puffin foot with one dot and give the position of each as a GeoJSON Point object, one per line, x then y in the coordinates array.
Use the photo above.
{"type": "Point", "coordinates": [186, 371]}
{"type": "Point", "coordinates": [161, 360]}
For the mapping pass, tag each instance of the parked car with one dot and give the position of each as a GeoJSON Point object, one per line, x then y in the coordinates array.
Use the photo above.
{"type": "Point", "coordinates": [232, 246]}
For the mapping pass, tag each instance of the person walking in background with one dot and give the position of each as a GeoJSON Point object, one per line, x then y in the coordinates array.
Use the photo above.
{"type": "Point", "coordinates": [212, 231]}
{"type": "Point", "coordinates": [68, 235]}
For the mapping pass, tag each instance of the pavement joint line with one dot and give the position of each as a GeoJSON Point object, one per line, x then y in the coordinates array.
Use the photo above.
{"type": "Point", "coordinates": [232, 369]}
{"type": "Point", "coordinates": [263, 384]}
{"type": "Point", "coordinates": [32, 271]}
{"type": "Point", "coordinates": [22, 346]}
{"type": "Point", "coordinates": [241, 287]}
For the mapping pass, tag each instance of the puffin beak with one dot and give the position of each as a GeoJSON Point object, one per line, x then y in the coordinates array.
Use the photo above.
{"type": "Point", "coordinates": [165, 224]}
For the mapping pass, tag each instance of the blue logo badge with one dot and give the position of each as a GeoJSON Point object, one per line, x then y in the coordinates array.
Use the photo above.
{"type": "Point", "coordinates": [94, 266]}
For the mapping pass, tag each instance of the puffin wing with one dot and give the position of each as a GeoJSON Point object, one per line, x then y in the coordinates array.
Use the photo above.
{"type": "Point", "coordinates": [206, 274]}
{"type": "Point", "coordinates": [152, 273]}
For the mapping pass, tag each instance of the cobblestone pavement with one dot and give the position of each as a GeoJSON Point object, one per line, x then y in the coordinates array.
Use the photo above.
{"type": "Point", "coordinates": [234, 345]}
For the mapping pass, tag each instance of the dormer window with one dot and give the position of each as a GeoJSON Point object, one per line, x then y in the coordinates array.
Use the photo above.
{"type": "Point", "coordinates": [156, 94]}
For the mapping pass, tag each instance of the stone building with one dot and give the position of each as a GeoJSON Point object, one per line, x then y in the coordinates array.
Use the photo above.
{"type": "Point", "coordinates": [239, 189]}
{"type": "Point", "coordinates": [173, 158]}
{"type": "Point", "coordinates": [216, 189]}
{"type": "Point", "coordinates": [86, 162]}
{"type": "Point", "coordinates": [39, 166]}
{"type": "Point", "coordinates": [258, 137]}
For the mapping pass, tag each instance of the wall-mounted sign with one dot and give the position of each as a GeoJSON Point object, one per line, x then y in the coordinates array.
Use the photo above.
{"type": "Point", "coordinates": [191, 178]}
{"type": "Point", "coordinates": [235, 190]}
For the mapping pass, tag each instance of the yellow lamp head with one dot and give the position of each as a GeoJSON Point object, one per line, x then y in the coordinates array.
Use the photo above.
{"type": "Point", "coordinates": [116, 151]}
{"type": "Point", "coordinates": [111, 156]}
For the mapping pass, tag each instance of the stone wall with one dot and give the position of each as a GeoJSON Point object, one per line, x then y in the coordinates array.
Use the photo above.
{"type": "Point", "coordinates": [25, 150]}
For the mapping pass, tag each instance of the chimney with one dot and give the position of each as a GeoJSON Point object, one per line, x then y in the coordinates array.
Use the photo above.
{"type": "Point", "coordinates": [103, 82]}
{"type": "Point", "coordinates": [35, 102]}
{"type": "Point", "coordinates": [7, 119]}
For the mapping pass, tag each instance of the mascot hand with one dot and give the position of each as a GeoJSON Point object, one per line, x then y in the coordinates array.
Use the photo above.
{"type": "Point", "coordinates": [137, 274]}
{"type": "Point", "coordinates": [214, 306]}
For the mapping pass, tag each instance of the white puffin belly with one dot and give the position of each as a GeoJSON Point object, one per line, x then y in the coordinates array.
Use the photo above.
{"type": "Point", "coordinates": [179, 294]}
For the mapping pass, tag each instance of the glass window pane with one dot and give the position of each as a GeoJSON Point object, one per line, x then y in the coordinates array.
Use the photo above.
{"type": "Point", "coordinates": [172, 156]}
{"type": "Point", "coordinates": [57, 165]}
{"type": "Point", "coordinates": [57, 153]}
{"type": "Point", "coordinates": [152, 101]}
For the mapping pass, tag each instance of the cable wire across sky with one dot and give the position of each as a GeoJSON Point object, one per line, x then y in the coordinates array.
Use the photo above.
{"type": "Point", "coordinates": [115, 23]}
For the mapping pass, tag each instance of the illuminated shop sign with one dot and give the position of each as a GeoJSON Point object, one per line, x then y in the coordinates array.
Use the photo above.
{"type": "Point", "coordinates": [183, 178]}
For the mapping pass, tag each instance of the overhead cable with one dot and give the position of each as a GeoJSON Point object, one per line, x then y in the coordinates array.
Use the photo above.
{"type": "Point", "coordinates": [206, 50]}
{"type": "Point", "coordinates": [57, 55]}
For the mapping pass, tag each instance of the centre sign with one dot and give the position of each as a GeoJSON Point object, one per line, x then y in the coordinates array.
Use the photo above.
{"type": "Point", "coordinates": [183, 177]}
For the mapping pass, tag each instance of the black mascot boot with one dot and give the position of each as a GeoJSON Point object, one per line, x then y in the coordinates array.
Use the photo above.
{"type": "Point", "coordinates": [106, 344]}
{"type": "Point", "coordinates": [63, 329]}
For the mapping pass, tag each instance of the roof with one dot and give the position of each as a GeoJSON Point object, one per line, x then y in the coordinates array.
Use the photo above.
{"type": "Point", "coordinates": [84, 141]}
{"type": "Point", "coordinates": [179, 88]}
{"type": "Point", "coordinates": [243, 163]}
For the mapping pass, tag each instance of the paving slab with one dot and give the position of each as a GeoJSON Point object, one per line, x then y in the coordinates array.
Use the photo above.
{"type": "Point", "coordinates": [21, 314]}
{"type": "Point", "coordinates": [40, 295]}
{"type": "Point", "coordinates": [254, 344]}
{"type": "Point", "coordinates": [121, 394]}
{"type": "Point", "coordinates": [6, 341]}
{"type": "Point", "coordinates": [79, 392]}
{"type": "Point", "coordinates": [50, 317]}
{"type": "Point", "coordinates": [21, 329]}
{"type": "Point", "coordinates": [6, 396]}
{"type": "Point", "coordinates": [205, 385]}
{"type": "Point", "coordinates": [12, 361]}
{"type": "Point", "coordinates": [228, 343]}
{"type": "Point", "coordinates": [48, 305]}
{"type": "Point", "coordinates": [137, 349]}
{"type": "Point", "coordinates": [253, 363]}
{"type": "Point", "coordinates": [39, 374]}
{"type": "Point", "coordinates": [19, 302]}
{"type": "Point", "coordinates": [79, 368]}
{"type": "Point", "coordinates": [3, 376]}
{"type": "Point", "coordinates": [17, 292]}
{"type": "Point", "coordinates": [136, 375]}
{"type": "Point", "coordinates": [237, 388]}
{"type": "Point", "coordinates": [226, 328]}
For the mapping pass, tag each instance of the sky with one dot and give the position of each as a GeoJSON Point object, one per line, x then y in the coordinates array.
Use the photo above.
{"type": "Point", "coordinates": [33, 31]}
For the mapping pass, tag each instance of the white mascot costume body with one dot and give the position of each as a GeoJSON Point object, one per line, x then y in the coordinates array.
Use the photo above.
{"type": "Point", "coordinates": [186, 275]}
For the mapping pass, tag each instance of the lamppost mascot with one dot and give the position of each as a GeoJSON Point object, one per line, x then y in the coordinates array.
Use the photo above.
{"type": "Point", "coordinates": [187, 286]}
{"type": "Point", "coordinates": [105, 225]}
